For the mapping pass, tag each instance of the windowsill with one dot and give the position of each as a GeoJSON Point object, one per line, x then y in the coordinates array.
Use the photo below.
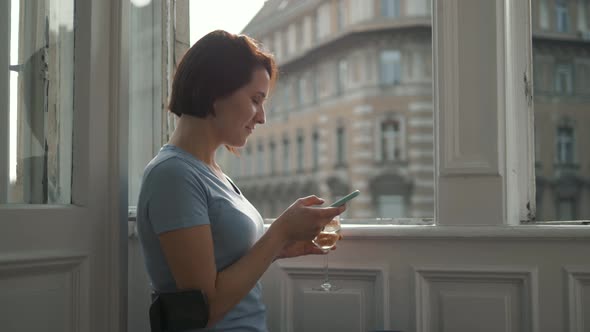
{"type": "Point", "coordinates": [433, 231]}
{"type": "Point", "coordinates": [579, 229]}
{"type": "Point", "coordinates": [546, 231]}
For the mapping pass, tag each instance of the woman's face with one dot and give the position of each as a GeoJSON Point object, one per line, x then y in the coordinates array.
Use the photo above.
{"type": "Point", "coordinates": [237, 115]}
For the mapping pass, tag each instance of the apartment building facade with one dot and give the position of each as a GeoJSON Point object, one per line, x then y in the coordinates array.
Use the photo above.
{"type": "Point", "coordinates": [561, 62]}
{"type": "Point", "coordinates": [353, 108]}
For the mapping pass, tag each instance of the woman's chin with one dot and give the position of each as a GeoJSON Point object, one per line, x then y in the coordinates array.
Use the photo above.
{"type": "Point", "coordinates": [239, 144]}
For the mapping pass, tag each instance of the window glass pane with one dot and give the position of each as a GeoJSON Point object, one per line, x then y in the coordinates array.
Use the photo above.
{"type": "Point", "coordinates": [260, 159]}
{"type": "Point", "coordinates": [561, 65]}
{"type": "Point", "coordinates": [38, 113]}
{"type": "Point", "coordinates": [359, 103]}
{"type": "Point", "coordinates": [391, 206]}
{"type": "Point", "coordinates": [300, 152]}
{"type": "Point", "coordinates": [286, 156]}
{"type": "Point", "coordinates": [146, 107]}
{"type": "Point", "coordinates": [340, 146]}
{"type": "Point", "coordinates": [390, 66]}
{"type": "Point", "coordinates": [390, 8]}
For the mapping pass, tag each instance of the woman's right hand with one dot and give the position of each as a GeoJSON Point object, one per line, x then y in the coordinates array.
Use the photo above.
{"type": "Point", "coordinates": [304, 220]}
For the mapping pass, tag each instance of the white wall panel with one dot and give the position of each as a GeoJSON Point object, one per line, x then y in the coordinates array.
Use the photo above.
{"type": "Point", "coordinates": [49, 288]}
{"type": "Point", "coordinates": [578, 298]}
{"type": "Point", "coordinates": [361, 303]}
{"type": "Point", "coordinates": [476, 299]}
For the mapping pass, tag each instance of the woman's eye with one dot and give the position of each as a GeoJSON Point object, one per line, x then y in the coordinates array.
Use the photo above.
{"type": "Point", "coordinates": [256, 101]}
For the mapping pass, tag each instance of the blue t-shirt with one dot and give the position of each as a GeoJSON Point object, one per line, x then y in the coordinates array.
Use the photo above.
{"type": "Point", "coordinates": [180, 191]}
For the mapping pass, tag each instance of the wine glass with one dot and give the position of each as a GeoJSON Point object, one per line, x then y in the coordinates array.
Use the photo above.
{"type": "Point", "coordinates": [326, 240]}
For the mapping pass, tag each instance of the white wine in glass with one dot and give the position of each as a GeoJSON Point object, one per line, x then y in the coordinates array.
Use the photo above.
{"type": "Point", "coordinates": [326, 240]}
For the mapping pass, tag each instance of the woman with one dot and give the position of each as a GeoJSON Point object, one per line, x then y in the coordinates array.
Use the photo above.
{"type": "Point", "coordinates": [196, 229]}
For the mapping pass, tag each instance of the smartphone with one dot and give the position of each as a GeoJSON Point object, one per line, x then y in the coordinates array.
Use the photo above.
{"type": "Point", "coordinates": [345, 199]}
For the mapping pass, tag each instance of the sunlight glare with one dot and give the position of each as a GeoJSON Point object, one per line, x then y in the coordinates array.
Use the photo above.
{"type": "Point", "coordinates": [13, 91]}
{"type": "Point", "coordinates": [229, 15]}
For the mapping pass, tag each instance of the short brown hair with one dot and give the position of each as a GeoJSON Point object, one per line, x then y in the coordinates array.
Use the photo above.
{"type": "Point", "coordinates": [214, 67]}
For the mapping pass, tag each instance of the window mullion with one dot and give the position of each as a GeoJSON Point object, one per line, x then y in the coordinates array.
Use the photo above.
{"type": "Point", "coordinates": [4, 97]}
{"type": "Point", "coordinates": [481, 82]}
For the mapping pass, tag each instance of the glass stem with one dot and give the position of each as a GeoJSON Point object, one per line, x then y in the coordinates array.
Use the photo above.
{"type": "Point", "coordinates": [326, 280]}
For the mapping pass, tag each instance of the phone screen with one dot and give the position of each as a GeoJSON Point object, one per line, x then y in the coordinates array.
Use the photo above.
{"type": "Point", "coordinates": [345, 199]}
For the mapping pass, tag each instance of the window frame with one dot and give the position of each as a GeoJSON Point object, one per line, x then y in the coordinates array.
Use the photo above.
{"type": "Point", "coordinates": [492, 193]}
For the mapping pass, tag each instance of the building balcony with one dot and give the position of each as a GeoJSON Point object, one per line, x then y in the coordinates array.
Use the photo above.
{"type": "Point", "coordinates": [563, 170]}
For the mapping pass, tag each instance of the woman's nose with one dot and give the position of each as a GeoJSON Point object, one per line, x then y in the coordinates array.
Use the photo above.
{"type": "Point", "coordinates": [261, 116]}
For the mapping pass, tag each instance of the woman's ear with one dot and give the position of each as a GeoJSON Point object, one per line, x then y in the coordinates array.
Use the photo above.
{"type": "Point", "coordinates": [213, 108]}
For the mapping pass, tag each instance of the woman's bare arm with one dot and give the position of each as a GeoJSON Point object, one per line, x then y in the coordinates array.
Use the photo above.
{"type": "Point", "coordinates": [190, 255]}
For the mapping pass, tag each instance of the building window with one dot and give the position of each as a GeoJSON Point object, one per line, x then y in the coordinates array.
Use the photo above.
{"type": "Point", "coordinates": [315, 150]}
{"type": "Point", "coordinates": [323, 21]}
{"type": "Point", "coordinates": [260, 159]}
{"type": "Point", "coordinates": [582, 78]}
{"type": "Point", "coordinates": [340, 146]}
{"type": "Point", "coordinates": [562, 15]}
{"type": "Point", "coordinates": [300, 152]}
{"type": "Point", "coordinates": [272, 155]}
{"type": "Point", "coordinates": [342, 14]}
{"type": "Point", "coordinates": [342, 75]}
{"type": "Point", "coordinates": [565, 145]}
{"type": "Point", "coordinates": [360, 11]}
{"type": "Point", "coordinates": [302, 90]}
{"type": "Point", "coordinates": [543, 15]}
{"type": "Point", "coordinates": [37, 89]}
{"type": "Point", "coordinates": [390, 67]}
{"type": "Point", "coordinates": [390, 140]}
{"type": "Point", "coordinates": [267, 44]}
{"type": "Point", "coordinates": [391, 206]}
{"type": "Point", "coordinates": [291, 39]}
{"type": "Point", "coordinates": [278, 45]}
{"type": "Point", "coordinates": [314, 87]}
{"type": "Point", "coordinates": [307, 32]}
{"type": "Point", "coordinates": [390, 8]}
{"type": "Point", "coordinates": [564, 79]}
{"type": "Point", "coordinates": [286, 104]}
{"type": "Point", "coordinates": [286, 156]}
{"type": "Point", "coordinates": [542, 75]}
{"type": "Point", "coordinates": [566, 209]}
{"type": "Point", "coordinates": [248, 161]}
{"type": "Point", "coordinates": [325, 81]}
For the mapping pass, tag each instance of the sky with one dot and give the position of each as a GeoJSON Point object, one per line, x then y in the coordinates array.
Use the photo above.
{"type": "Point", "coordinates": [230, 15]}
{"type": "Point", "coordinates": [205, 16]}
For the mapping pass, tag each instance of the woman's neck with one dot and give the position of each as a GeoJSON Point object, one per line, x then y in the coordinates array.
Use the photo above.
{"type": "Point", "coordinates": [185, 137]}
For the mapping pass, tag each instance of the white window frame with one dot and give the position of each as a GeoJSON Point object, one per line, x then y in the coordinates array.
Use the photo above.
{"type": "Point", "coordinates": [484, 185]}
{"type": "Point", "coordinates": [499, 165]}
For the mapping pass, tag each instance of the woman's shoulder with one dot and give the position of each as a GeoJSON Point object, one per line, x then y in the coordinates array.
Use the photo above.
{"type": "Point", "coordinates": [172, 169]}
